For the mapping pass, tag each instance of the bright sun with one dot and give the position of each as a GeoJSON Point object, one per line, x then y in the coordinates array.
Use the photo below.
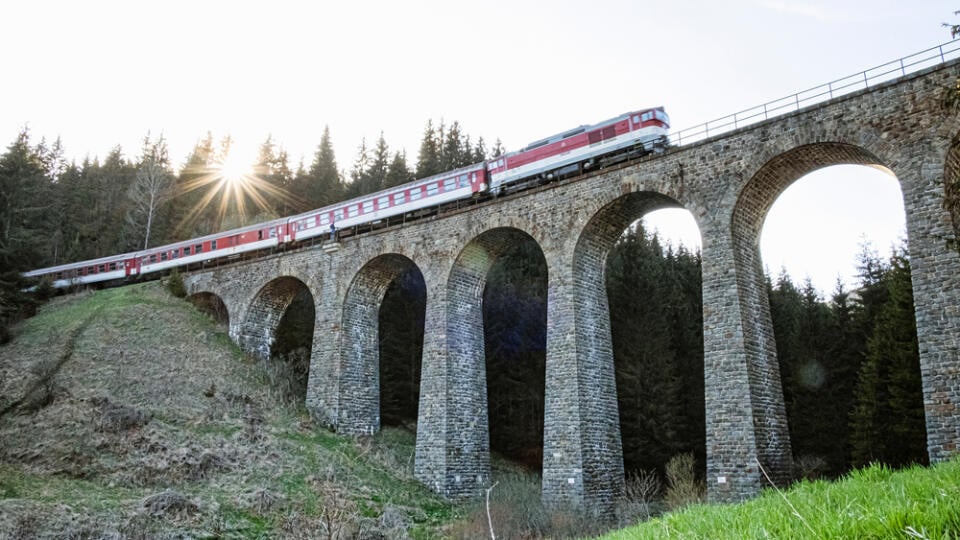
{"type": "Point", "coordinates": [234, 170]}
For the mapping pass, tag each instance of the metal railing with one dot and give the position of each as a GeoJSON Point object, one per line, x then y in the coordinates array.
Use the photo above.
{"type": "Point", "coordinates": [858, 81]}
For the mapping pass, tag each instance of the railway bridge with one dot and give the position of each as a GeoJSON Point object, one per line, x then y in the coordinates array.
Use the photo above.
{"type": "Point", "coordinates": [728, 182]}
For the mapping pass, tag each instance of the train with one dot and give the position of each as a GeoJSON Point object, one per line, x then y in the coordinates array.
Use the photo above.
{"type": "Point", "coordinates": [570, 152]}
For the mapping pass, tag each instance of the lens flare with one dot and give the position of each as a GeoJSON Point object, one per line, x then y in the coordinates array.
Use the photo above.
{"type": "Point", "coordinates": [233, 193]}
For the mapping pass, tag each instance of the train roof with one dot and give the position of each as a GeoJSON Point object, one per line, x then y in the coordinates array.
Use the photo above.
{"type": "Point", "coordinates": [580, 129]}
{"type": "Point", "coordinates": [89, 262]}
{"type": "Point", "coordinates": [387, 191]}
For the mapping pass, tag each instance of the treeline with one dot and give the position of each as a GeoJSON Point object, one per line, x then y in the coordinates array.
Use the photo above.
{"type": "Point", "coordinates": [54, 211]}
{"type": "Point", "coordinates": [851, 368]}
{"type": "Point", "coordinates": [849, 364]}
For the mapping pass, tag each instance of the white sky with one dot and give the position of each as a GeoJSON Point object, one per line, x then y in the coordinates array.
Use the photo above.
{"type": "Point", "coordinates": [101, 73]}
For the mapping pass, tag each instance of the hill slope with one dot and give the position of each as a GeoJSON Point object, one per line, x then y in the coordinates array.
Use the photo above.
{"type": "Point", "coordinates": [127, 413]}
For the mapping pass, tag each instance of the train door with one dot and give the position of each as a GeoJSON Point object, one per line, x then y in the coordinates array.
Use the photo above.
{"type": "Point", "coordinates": [132, 266]}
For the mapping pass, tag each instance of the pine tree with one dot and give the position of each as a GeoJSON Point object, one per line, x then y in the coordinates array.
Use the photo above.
{"type": "Point", "coordinates": [195, 190]}
{"type": "Point", "coordinates": [497, 149]}
{"type": "Point", "coordinates": [398, 172]}
{"type": "Point", "coordinates": [376, 178]}
{"type": "Point", "coordinates": [360, 173]}
{"type": "Point", "coordinates": [27, 197]}
{"type": "Point", "coordinates": [428, 160]}
{"type": "Point", "coordinates": [657, 354]}
{"type": "Point", "coordinates": [887, 421]}
{"type": "Point", "coordinates": [321, 184]}
{"type": "Point", "coordinates": [272, 181]}
{"type": "Point", "coordinates": [26, 188]}
{"type": "Point", "coordinates": [479, 151]}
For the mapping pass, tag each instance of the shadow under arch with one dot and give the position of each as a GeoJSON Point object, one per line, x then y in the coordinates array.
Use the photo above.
{"type": "Point", "coordinates": [360, 347]}
{"type": "Point", "coordinates": [951, 188]}
{"type": "Point", "coordinates": [212, 305]}
{"type": "Point", "coordinates": [772, 440]}
{"type": "Point", "coordinates": [599, 419]}
{"type": "Point", "coordinates": [257, 332]}
{"type": "Point", "coordinates": [468, 421]}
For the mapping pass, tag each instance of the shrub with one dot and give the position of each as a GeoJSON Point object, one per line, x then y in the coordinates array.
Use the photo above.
{"type": "Point", "coordinates": [683, 487]}
{"type": "Point", "coordinates": [175, 284]}
{"type": "Point", "coordinates": [640, 490]}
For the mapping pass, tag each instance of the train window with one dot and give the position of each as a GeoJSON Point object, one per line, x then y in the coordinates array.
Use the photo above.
{"type": "Point", "coordinates": [398, 198]}
{"type": "Point", "coordinates": [463, 181]}
{"type": "Point", "coordinates": [273, 233]}
{"type": "Point", "coordinates": [449, 184]}
{"type": "Point", "coordinates": [213, 245]}
{"type": "Point", "coordinates": [646, 116]}
{"type": "Point", "coordinates": [662, 116]}
{"type": "Point", "coordinates": [338, 214]}
{"type": "Point", "coordinates": [186, 251]}
{"type": "Point", "coordinates": [367, 207]}
{"type": "Point", "coordinates": [58, 275]}
{"type": "Point", "coordinates": [153, 258]}
{"type": "Point", "coordinates": [383, 202]}
{"type": "Point", "coordinates": [113, 266]}
{"type": "Point", "coordinates": [175, 253]}
{"type": "Point", "coordinates": [259, 235]}
{"type": "Point", "coordinates": [353, 210]}
{"type": "Point", "coordinates": [324, 219]}
{"type": "Point", "coordinates": [163, 256]}
{"type": "Point", "coordinates": [199, 248]}
{"type": "Point", "coordinates": [432, 189]}
{"type": "Point", "coordinates": [636, 119]}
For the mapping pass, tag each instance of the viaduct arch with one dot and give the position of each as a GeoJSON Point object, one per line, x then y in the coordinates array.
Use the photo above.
{"type": "Point", "coordinates": [728, 183]}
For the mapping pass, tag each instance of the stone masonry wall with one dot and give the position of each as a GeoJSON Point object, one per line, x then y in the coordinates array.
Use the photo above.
{"type": "Point", "coordinates": [728, 183]}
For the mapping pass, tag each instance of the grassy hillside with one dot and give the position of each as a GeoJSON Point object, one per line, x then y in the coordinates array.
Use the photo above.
{"type": "Point", "coordinates": [127, 413]}
{"type": "Point", "coordinates": [874, 502]}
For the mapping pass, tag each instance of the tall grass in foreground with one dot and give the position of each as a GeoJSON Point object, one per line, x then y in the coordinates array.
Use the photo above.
{"type": "Point", "coordinates": [874, 502]}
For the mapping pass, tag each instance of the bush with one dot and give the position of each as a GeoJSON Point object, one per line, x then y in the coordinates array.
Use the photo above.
{"type": "Point", "coordinates": [175, 284]}
{"type": "Point", "coordinates": [683, 487]}
{"type": "Point", "coordinates": [640, 491]}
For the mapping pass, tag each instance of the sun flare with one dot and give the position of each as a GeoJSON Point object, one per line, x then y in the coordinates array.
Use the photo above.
{"type": "Point", "coordinates": [233, 191]}
{"type": "Point", "coordinates": [233, 170]}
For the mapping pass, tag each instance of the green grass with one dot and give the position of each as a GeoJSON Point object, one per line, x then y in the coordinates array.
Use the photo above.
{"type": "Point", "coordinates": [144, 349]}
{"type": "Point", "coordinates": [94, 475]}
{"type": "Point", "coordinates": [874, 502]}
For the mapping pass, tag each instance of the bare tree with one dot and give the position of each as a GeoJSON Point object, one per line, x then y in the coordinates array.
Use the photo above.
{"type": "Point", "coordinates": [151, 188]}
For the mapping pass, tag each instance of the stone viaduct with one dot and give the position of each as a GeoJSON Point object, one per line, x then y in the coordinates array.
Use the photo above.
{"type": "Point", "coordinates": [728, 183]}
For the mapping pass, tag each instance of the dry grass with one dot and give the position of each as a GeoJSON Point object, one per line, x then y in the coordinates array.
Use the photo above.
{"type": "Point", "coordinates": [148, 422]}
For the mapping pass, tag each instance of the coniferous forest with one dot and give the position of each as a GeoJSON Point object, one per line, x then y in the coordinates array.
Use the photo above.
{"type": "Point", "coordinates": [849, 363]}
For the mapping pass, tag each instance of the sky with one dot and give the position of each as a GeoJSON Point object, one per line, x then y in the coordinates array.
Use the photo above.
{"type": "Point", "coordinates": [101, 73]}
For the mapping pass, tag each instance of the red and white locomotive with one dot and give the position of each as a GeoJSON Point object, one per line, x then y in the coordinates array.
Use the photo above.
{"type": "Point", "coordinates": [616, 139]}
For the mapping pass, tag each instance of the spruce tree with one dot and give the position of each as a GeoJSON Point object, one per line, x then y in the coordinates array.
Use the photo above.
{"type": "Point", "coordinates": [194, 190]}
{"type": "Point", "coordinates": [657, 354]}
{"type": "Point", "coordinates": [26, 195]}
{"type": "Point", "coordinates": [428, 159]}
{"type": "Point", "coordinates": [360, 173]}
{"type": "Point", "coordinates": [398, 172]}
{"type": "Point", "coordinates": [272, 181]}
{"type": "Point", "coordinates": [320, 185]}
